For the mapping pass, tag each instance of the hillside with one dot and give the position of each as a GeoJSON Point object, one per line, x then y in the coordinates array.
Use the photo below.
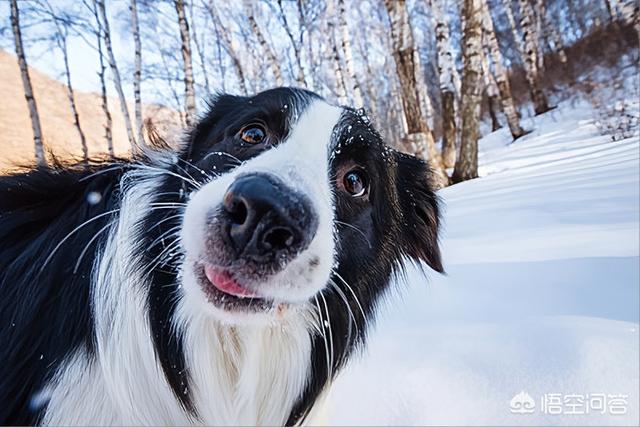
{"type": "Point", "coordinates": [60, 135]}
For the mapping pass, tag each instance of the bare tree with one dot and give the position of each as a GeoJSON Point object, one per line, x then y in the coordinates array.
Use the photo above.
{"type": "Point", "coordinates": [446, 73]}
{"type": "Point", "coordinates": [467, 163]}
{"type": "Point", "coordinates": [108, 127]}
{"type": "Point", "coordinates": [225, 37]}
{"type": "Point", "coordinates": [26, 83]}
{"type": "Point", "coordinates": [530, 37]}
{"type": "Point", "coordinates": [513, 29]}
{"type": "Point", "coordinates": [300, 77]}
{"type": "Point", "coordinates": [502, 79]}
{"type": "Point", "coordinates": [61, 35]}
{"type": "Point", "coordinates": [345, 43]}
{"type": "Point", "coordinates": [491, 90]}
{"type": "Point", "coordinates": [200, 49]}
{"type": "Point", "coordinates": [341, 86]}
{"type": "Point", "coordinates": [116, 73]}
{"type": "Point", "coordinates": [419, 140]}
{"type": "Point", "coordinates": [137, 69]}
{"type": "Point", "coordinates": [551, 34]}
{"type": "Point", "coordinates": [264, 45]}
{"type": "Point", "coordinates": [189, 88]}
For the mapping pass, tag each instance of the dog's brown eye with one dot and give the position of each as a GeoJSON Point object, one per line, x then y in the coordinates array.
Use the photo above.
{"type": "Point", "coordinates": [355, 182]}
{"type": "Point", "coordinates": [253, 134]}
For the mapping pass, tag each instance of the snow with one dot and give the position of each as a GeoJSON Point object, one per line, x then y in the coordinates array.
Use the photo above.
{"type": "Point", "coordinates": [541, 296]}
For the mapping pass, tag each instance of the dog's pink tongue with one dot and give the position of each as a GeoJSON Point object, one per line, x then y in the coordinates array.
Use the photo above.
{"type": "Point", "coordinates": [223, 281]}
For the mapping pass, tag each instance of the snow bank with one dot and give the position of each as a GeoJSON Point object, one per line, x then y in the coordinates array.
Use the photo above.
{"type": "Point", "coordinates": [542, 294]}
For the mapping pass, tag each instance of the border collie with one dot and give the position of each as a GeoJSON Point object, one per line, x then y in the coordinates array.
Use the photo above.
{"type": "Point", "coordinates": [223, 282]}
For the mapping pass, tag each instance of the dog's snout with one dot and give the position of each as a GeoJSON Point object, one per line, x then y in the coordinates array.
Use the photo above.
{"type": "Point", "coordinates": [265, 217]}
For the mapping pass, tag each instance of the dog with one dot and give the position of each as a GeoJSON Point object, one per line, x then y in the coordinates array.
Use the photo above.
{"type": "Point", "coordinates": [225, 281]}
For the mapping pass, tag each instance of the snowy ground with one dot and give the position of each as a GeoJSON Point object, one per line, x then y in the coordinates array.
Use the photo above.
{"type": "Point", "coordinates": [541, 296]}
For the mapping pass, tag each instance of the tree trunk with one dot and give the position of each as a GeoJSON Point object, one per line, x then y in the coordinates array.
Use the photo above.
{"type": "Point", "coordinates": [529, 37]}
{"type": "Point", "coordinates": [502, 79]}
{"type": "Point", "coordinates": [26, 83]}
{"type": "Point", "coordinates": [345, 43]}
{"type": "Point", "coordinates": [448, 129]}
{"type": "Point", "coordinates": [341, 85]}
{"type": "Point", "coordinates": [419, 140]}
{"type": "Point", "coordinates": [62, 44]}
{"type": "Point", "coordinates": [116, 75]}
{"type": "Point", "coordinates": [300, 77]}
{"type": "Point", "coordinates": [551, 35]}
{"type": "Point", "coordinates": [517, 38]}
{"type": "Point", "coordinates": [189, 87]}
{"type": "Point", "coordinates": [223, 34]}
{"type": "Point", "coordinates": [447, 77]}
{"type": "Point", "coordinates": [264, 45]}
{"type": "Point", "coordinates": [491, 90]}
{"type": "Point", "coordinates": [137, 70]}
{"type": "Point", "coordinates": [103, 86]}
{"type": "Point", "coordinates": [60, 36]}
{"type": "Point", "coordinates": [200, 50]}
{"type": "Point", "coordinates": [467, 163]}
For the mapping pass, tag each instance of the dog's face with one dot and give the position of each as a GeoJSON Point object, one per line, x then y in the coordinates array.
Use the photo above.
{"type": "Point", "coordinates": [297, 197]}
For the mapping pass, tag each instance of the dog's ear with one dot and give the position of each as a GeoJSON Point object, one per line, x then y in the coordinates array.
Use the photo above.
{"type": "Point", "coordinates": [420, 208]}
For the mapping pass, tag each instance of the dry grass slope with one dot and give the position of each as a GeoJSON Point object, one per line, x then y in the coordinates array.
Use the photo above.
{"type": "Point", "coordinates": [60, 135]}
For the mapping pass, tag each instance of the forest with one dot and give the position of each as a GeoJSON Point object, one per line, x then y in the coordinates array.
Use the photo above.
{"type": "Point", "coordinates": [429, 73]}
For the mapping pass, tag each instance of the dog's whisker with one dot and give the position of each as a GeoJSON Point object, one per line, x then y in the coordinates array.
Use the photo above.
{"type": "Point", "coordinates": [352, 293]}
{"type": "Point", "coordinates": [165, 171]}
{"type": "Point", "coordinates": [173, 231]}
{"type": "Point", "coordinates": [86, 247]}
{"type": "Point", "coordinates": [324, 335]}
{"type": "Point", "coordinates": [189, 164]}
{"type": "Point", "coordinates": [352, 318]}
{"type": "Point", "coordinates": [222, 153]}
{"type": "Point", "coordinates": [169, 218]}
{"type": "Point", "coordinates": [329, 327]}
{"type": "Point", "coordinates": [186, 172]}
{"type": "Point", "coordinates": [364, 236]}
{"type": "Point", "coordinates": [72, 232]}
{"type": "Point", "coordinates": [100, 172]}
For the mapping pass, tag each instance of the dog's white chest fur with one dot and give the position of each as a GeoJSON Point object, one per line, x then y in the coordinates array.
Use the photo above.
{"type": "Point", "coordinates": [246, 376]}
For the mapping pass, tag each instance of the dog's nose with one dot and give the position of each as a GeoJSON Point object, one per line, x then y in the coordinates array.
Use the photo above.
{"type": "Point", "coordinates": [266, 217]}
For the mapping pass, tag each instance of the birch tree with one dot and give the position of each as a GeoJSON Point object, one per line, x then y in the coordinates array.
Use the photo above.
{"type": "Point", "coordinates": [189, 87]}
{"type": "Point", "coordinates": [491, 90]}
{"type": "Point", "coordinates": [224, 36]}
{"type": "Point", "coordinates": [297, 46]}
{"type": "Point", "coordinates": [137, 69]}
{"type": "Point", "coordinates": [264, 45]}
{"type": "Point", "coordinates": [550, 34]}
{"type": "Point", "coordinates": [529, 38]}
{"type": "Point", "coordinates": [116, 73]}
{"type": "Point", "coordinates": [345, 43]}
{"type": "Point", "coordinates": [419, 139]}
{"type": "Point", "coordinates": [26, 84]}
{"type": "Point", "coordinates": [108, 126]}
{"type": "Point", "coordinates": [446, 74]}
{"type": "Point", "coordinates": [341, 86]}
{"type": "Point", "coordinates": [61, 36]}
{"type": "Point", "coordinates": [467, 163]}
{"type": "Point", "coordinates": [502, 79]}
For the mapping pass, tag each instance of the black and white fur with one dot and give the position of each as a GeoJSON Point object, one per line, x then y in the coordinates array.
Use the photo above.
{"type": "Point", "coordinates": [103, 317]}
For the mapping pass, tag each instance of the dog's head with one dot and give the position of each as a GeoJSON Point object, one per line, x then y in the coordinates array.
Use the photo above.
{"type": "Point", "coordinates": [297, 197]}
